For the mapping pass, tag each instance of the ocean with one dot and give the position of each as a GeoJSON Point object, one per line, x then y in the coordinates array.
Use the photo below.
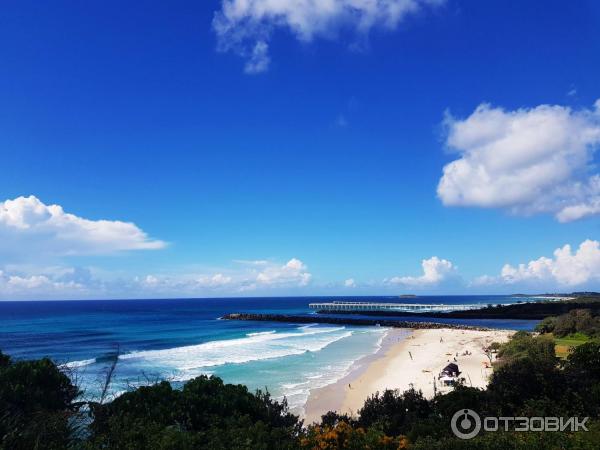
{"type": "Point", "coordinates": [179, 339]}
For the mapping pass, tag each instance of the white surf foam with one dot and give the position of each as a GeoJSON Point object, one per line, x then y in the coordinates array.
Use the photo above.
{"type": "Point", "coordinates": [260, 333]}
{"type": "Point", "coordinates": [253, 347]}
{"type": "Point", "coordinates": [297, 393]}
{"type": "Point", "coordinates": [82, 363]}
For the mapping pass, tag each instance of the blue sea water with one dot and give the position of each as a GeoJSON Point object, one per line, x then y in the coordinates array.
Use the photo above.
{"type": "Point", "coordinates": [178, 339]}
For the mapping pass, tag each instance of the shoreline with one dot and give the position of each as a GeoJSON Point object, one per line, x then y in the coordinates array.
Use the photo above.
{"type": "Point", "coordinates": [323, 399]}
{"type": "Point", "coordinates": [320, 398]}
{"type": "Point", "coordinates": [407, 357]}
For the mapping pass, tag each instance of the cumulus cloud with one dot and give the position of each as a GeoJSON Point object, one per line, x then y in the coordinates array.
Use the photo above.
{"type": "Point", "coordinates": [252, 276]}
{"type": "Point", "coordinates": [40, 286]}
{"type": "Point", "coordinates": [527, 161]}
{"type": "Point", "coordinates": [350, 283]}
{"type": "Point", "coordinates": [294, 272]}
{"type": "Point", "coordinates": [566, 268]}
{"type": "Point", "coordinates": [219, 280]}
{"type": "Point", "coordinates": [246, 26]}
{"type": "Point", "coordinates": [18, 283]}
{"type": "Point", "coordinates": [28, 281]}
{"type": "Point", "coordinates": [185, 283]}
{"type": "Point", "coordinates": [30, 227]}
{"type": "Point", "coordinates": [435, 270]}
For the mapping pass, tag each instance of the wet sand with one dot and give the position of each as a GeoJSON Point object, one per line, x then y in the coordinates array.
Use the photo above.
{"type": "Point", "coordinates": [408, 359]}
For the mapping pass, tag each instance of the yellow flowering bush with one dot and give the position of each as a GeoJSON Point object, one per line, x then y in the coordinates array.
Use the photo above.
{"type": "Point", "coordinates": [343, 436]}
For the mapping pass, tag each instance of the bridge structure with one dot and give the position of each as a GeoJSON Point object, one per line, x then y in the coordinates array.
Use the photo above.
{"type": "Point", "coordinates": [400, 307]}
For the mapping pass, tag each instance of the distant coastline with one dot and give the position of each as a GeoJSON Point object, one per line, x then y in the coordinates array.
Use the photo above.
{"type": "Point", "coordinates": [550, 306]}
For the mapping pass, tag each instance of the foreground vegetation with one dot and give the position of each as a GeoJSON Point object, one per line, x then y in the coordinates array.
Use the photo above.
{"type": "Point", "coordinates": [572, 329]}
{"type": "Point", "coordinates": [41, 409]}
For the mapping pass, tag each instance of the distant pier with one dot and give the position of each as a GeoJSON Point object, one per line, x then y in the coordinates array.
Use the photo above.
{"type": "Point", "coordinates": [391, 307]}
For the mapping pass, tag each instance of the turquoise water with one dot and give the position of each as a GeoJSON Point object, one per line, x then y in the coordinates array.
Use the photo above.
{"type": "Point", "coordinates": [327, 358]}
{"type": "Point", "coordinates": [286, 362]}
{"type": "Point", "coordinates": [180, 339]}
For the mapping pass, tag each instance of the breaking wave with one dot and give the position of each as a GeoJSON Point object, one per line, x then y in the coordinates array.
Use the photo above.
{"type": "Point", "coordinates": [253, 347]}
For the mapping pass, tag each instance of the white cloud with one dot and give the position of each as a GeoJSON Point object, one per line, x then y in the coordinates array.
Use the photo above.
{"type": "Point", "coordinates": [151, 280]}
{"type": "Point", "coordinates": [14, 286]}
{"type": "Point", "coordinates": [30, 227]}
{"type": "Point", "coordinates": [245, 26]}
{"type": "Point", "coordinates": [435, 270]}
{"type": "Point", "coordinates": [259, 59]}
{"type": "Point", "coordinates": [185, 283]}
{"type": "Point", "coordinates": [252, 276]}
{"type": "Point", "coordinates": [216, 280]}
{"type": "Point", "coordinates": [484, 280]}
{"type": "Point", "coordinates": [528, 161]}
{"type": "Point", "coordinates": [565, 268]}
{"type": "Point", "coordinates": [28, 281]}
{"type": "Point", "coordinates": [588, 207]}
{"type": "Point", "coordinates": [350, 283]}
{"type": "Point", "coordinates": [294, 272]}
{"type": "Point", "coordinates": [252, 262]}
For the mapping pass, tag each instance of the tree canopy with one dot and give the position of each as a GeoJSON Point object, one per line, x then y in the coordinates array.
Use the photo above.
{"type": "Point", "coordinates": [40, 408]}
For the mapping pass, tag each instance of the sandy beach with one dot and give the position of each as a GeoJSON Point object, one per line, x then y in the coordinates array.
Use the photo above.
{"type": "Point", "coordinates": [408, 359]}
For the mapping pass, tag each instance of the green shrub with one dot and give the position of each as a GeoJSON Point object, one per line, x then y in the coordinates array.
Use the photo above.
{"type": "Point", "coordinates": [394, 413]}
{"type": "Point", "coordinates": [525, 345]}
{"type": "Point", "coordinates": [546, 325]}
{"type": "Point", "coordinates": [36, 405]}
{"type": "Point", "coordinates": [577, 320]}
{"type": "Point", "coordinates": [206, 413]}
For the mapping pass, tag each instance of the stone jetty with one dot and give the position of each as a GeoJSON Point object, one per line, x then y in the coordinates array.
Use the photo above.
{"type": "Point", "coordinates": [348, 321]}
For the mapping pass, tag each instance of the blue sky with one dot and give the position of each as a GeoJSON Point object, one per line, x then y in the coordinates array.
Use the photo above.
{"type": "Point", "coordinates": [278, 150]}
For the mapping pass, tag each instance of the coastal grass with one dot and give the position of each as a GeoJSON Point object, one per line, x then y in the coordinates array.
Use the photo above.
{"type": "Point", "coordinates": [565, 345]}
